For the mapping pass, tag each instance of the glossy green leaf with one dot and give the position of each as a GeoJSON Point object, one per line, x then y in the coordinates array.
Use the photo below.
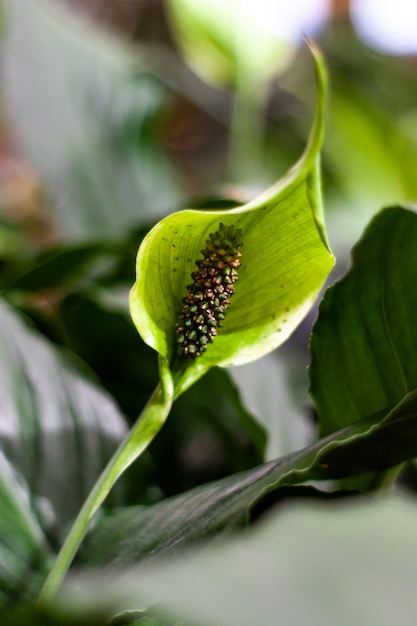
{"type": "Point", "coordinates": [307, 565]}
{"type": "Point", "coordinates": [58, 427]}
{"type": "Point", "coordinates": [364, 344]}
{"type": "Point", "coordinates": [285, 260]}
{"type": "Point", "coordinates": [82, 105]}
{"type": "Point", "coordinates": [141, 534]}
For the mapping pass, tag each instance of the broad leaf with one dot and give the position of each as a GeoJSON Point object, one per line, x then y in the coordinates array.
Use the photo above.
{"type": "Point", "coordinates": [285, 260]}
{"type": "Point", "coordinates": [306, 566]}
{"type": "Point", "coordinates": [364, 344]}
{"type": "Point", "coordinates": [142, 534]}
{"type": "Point", "coordinates": [57, 426]}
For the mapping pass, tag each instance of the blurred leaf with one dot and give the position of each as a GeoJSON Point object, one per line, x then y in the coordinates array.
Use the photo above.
{"type": "Point", "coordinates": [63, 267]}
{"type": "Point", "coordinates": [78, 294]}
{"type": "Point", "coordinates": [268, 392]}
{"type": "Point", "coordinates": [11, 241]}
{"type": "Point", "coordinates": [58, 428]}
{"type": "Point", "coordinates": [24, 553]}
{"type": "Point", "coordinates": [364, 344]}
{"type": "Point", "coordinates": [309, 565]}
{"type": "Point", "coordinates": [84, 109]}
{"type": "Point", "coordinates": [216, 39]}
{"type": "Point", "coordinates": [236, 421]}
{"type": "Point", "coordinates": [372, 143]}
{"type": "Point", "coordinates": [141, 534]}
{"type": "Point", "coordinates": [124, 363]}
{"type": "Point", "coordinates": [374, 160]}
{"type": "Point", "coordinates": [28, 615]}
{"type": "Point", "coordinates": [285, 261]}
{"type": "Point", "coordinates": [205, 440]}
{"type": "Point", "coordinates": [370, 152]}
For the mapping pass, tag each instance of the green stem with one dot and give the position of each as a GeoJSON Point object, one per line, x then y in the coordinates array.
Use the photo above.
{"type": "Point", "coordinates": [143, 432]}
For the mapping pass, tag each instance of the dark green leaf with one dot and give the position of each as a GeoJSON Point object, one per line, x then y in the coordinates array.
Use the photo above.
{"type": "Point", "coordinates": [61, 268]}
{"type": "Point", "coordinates": [324, 565]}
{"type": "Point", "coordinates": [141, 534]}
{"type": "Point", "coordinates": [364, 344]}
{"type": "Point", "coordinates": [28, 615]}
{"type": "Point", "coordinates": [125, 364]}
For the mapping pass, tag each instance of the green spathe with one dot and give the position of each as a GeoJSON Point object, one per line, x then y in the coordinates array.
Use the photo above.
{"type": "Point", "coordinates": [286, 259]}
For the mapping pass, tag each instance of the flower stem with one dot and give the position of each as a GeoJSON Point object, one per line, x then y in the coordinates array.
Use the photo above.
{"type": "Point", "coordinates": [143, 432]}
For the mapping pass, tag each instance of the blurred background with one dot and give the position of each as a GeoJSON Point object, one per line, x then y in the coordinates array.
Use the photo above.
{"type": "Point", "coordinates": [115, 113]}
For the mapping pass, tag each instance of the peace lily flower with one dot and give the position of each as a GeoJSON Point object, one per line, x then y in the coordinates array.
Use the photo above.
{"type": "Point", "coordinates": [284, 258]}
{"type": "Point", "coordinates": [259, 269]}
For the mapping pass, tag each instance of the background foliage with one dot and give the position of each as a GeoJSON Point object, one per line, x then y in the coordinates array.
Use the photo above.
{"type": "Point", "coordinates": [105, 129]}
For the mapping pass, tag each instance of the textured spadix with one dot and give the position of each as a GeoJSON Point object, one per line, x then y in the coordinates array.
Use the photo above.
{"type": "Point", "coordinates": [285, 260]}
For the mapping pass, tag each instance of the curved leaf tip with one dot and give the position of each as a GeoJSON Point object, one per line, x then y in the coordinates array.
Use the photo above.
{"type": "Point", "coordinates": [285, 259]}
